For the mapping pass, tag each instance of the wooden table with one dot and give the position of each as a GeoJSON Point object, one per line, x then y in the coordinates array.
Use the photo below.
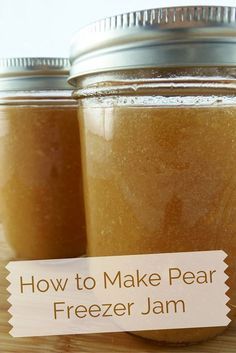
{"type": "Point", "coordinates": [96, 343]}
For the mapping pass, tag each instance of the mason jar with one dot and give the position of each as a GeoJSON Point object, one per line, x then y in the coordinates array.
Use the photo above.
{"type": "Point", "coordinates": [156, 92]}
{"type": "Point", "coordinates": [41, 197]}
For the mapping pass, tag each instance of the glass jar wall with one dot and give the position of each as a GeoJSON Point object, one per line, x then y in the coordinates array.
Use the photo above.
{"type": "Point", "coordinates": [159, 173]}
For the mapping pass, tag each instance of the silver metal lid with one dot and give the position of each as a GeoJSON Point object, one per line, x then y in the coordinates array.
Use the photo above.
{"type": "Point", "coordinates": [34, 74]}
{"type": "Point", "coordinates": [168, 37]}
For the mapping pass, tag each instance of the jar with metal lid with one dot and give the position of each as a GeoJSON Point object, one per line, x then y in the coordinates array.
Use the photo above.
{"type": "Point", "coordinates": [41, 198]}
{"type": "Point", "coordinates": [156, 93]}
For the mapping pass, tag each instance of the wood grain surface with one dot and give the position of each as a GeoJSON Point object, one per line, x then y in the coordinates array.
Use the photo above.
{"type": "Point", "coordinates": [99, 343]}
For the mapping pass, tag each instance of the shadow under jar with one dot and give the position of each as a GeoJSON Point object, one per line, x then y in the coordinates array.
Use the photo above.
{"type": "Point", "coordinates": [156, 101]}
{"type": "Point", "coordinates": [41, 197]}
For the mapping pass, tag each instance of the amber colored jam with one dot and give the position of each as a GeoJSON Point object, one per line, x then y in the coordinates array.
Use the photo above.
{"type": "Point", "coordinates": [161, 180]}
{"type": "Point", "coordinates": [41, 198]}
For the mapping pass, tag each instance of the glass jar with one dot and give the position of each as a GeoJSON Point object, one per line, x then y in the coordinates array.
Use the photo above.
{"type": "Point", "coordinates": [41, 198]}
{"type": "Point", "coordinates": [156, 100]}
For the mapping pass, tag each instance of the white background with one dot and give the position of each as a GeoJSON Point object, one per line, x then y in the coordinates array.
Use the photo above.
{"type": "Point", "coordinates": [44, 27]}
